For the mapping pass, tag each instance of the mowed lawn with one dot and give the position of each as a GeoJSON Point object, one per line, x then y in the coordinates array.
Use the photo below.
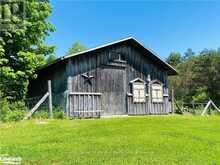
{"type": "Point", "coordinates": [185, 140]}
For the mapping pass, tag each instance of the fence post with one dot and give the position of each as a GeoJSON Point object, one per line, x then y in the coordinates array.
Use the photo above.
{"type": "Point", "coordinates": [172, 99]}
{"type": "Point", "coordinates": [50, 99]}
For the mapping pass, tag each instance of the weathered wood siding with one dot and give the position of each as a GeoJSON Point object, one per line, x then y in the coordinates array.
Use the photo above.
{"type": "Point", "coordinates": [112, 79]}
{"type": "Point", "coordinates": [148, 108]}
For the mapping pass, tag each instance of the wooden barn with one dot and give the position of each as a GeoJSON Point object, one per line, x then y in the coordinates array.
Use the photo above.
{"type": "Point", "coordinates": [119, 78]}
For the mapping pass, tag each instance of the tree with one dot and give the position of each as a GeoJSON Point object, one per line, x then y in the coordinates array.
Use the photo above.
{"type": "Point", "coordinates": [51, 58]}
{"type": "Point", "coordinates": [204, 51]}
{"type": "Point", "coordinates": [218, 50]}
{"type": "Point", "coordinates": [22, 47]}
{"type": "Point", "coordinates": [201, 95]}
{"type": "Point", "coordinates": [188, 54]}
{"type": "Point", "coordinates": [76, 47]}
{"type": "Point", "coordinates": [174, 59]}
{"type": "Point", "coordinates": [199, 78]}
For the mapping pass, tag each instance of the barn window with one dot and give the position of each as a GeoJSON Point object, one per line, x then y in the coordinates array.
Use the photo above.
{"type": "Point", "coordinates": [138, 90]}
{"type": "Point", "coordinates": [157, 92]}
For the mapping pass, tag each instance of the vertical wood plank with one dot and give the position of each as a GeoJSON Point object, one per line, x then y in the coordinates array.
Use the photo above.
{"type": "Point", "coordinates": [69, 101]}
{"type": "Point", "coordinates": [50, 99]}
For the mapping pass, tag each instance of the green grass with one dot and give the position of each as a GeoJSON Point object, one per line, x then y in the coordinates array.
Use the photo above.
{"type": "Point", "coordinates": [185, 140]}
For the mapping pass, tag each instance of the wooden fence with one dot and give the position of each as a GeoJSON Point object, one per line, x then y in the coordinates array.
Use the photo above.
{"type": "Point", "coordinates": [85, 104]}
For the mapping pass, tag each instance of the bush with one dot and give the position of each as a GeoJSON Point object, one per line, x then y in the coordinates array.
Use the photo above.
{"type": "Point", "coordinates": [40, 115]}
{"type": "Point", "coordinates": [14, 111]}
{"type": "Point", "coordinates": [215, 113]}
{"type": "Point", "coordinates": [4, 107]}
{"type": "Point", "coordinates": [18, 106]}
{"type": "Point", "coordinates": [58, 112]}
{"type": "Point", "coordinates": [59, 115]}
{"type": "Point", "coordinates": [14, 116]}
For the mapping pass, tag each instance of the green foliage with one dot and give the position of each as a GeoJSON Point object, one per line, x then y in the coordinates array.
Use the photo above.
{"type": "Point", "coordinates": [4, 107]}
{"type": "Point", "coordinates": [58, 112]}
{"type": "Point", "coordinates": [42, 113]}
{"type": "Point", "coordinates": [59, 115]}
{"type": "Point", "coordinates": [215, 113]}
{"type": "Point", "coordinates": [199, 78]}
{"type": "Point", "coordinates": [51, 58]}
{"type": "Point", "coordinates": [76, 47]}
{"type": "Point", "coordinates": [22, 47]}
{"type": "Point", "coordinates": [201, 95]}
{"type": "Point", "coordinates": [13, 116]}
{"type": "Point", "coordinates": [188, 54]}
{"type": "Point", "coordinates": [194, 111]}
{"type": "Point", "coordinates": [11, 111]}
{"type": "Point", "coordinates": [174, 59]}
{"type": "Point", "coordinates": [18, 106]}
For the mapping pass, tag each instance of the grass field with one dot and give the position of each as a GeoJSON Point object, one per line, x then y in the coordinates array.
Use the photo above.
{"type": "Point", "coordinates": [185, 140]}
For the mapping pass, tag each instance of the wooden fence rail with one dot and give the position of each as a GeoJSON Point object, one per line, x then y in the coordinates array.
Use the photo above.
{"type": "Point", "coordinates": [85, 104]}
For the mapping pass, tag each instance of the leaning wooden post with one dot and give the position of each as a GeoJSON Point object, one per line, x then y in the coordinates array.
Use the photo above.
{"type": "Point", "coordinates": [31, 112]}
{"type": "Point", "coordinates": [50, 99]}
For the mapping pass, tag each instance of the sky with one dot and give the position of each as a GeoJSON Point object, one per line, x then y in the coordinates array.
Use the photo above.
{"type": "Point", "coordinates": [163, 26]}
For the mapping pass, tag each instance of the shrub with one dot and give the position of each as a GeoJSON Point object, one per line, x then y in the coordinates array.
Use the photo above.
{"type": "Point", "coordinates": [18, 106]}
{"type": "Point", "coordinates": [13, 116]}
{"type": "Point", "coordinates": [4, 107]}
{"type": "Point", "coordinates": [59, 115]}
{"type": "Point", "coordinates": [58, 112]}
{"type": "Point", "coordinates": [14, 111]}
{"type": "Point", "coordinates": [215, 113]}
{"type": "Point", "coordinates": [40, 115]}
{"type": "Point", "coordinates": [43, 113]}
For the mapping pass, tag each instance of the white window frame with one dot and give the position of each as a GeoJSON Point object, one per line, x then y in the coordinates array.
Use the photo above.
{"type": "Point", "coordinates": [138, 90]}
{"type": "Point", "coordinates": [157, 92]}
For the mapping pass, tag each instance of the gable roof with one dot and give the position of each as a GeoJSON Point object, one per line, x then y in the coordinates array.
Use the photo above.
{"type": "Point", "coordinates": [152, 55]}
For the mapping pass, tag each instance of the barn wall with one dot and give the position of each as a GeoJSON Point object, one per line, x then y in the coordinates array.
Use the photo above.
{"type": "Point", "coordinates": [139, 64]}
{"type": "Point", "coordinates": [102, 67]}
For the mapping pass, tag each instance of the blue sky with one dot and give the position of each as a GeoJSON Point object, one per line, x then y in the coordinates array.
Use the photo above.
{"type": "Point", "coordinates": [164, 26]}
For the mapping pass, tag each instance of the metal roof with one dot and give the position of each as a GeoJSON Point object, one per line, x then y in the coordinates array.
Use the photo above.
{"type": "Point", "coordinates": [153, 55]}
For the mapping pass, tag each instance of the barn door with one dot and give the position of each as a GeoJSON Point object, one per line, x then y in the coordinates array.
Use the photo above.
{"type": "Point", "coordinates": [113, 89]}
